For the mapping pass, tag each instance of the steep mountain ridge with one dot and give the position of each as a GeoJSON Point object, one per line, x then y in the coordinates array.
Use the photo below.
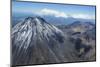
{"type": "Point", "coordinates": [34, 41]}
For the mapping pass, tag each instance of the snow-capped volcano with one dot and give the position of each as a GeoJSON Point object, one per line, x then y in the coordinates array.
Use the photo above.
{"type": "Point", "coordinates": [33, 39]}
{"type": "Point", "coordinates": [36, 27]}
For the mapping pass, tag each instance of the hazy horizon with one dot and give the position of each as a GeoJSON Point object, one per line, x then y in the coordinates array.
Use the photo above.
{"type": "Point", "coordinates": [66, 12]}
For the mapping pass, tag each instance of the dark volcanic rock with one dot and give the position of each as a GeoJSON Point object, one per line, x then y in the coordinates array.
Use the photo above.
{"type": "Point", "coordinates": [83, 36]}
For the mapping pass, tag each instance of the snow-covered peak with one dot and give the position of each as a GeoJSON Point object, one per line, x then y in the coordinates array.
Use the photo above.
{"type": "Point", "coordinates": [35, 28]}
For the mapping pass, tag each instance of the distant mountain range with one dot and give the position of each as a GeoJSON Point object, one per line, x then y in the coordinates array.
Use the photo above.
{"type": "Point", "coordinates": [61, 20]}
{"type": "Point", "coordinates": [52, 19]}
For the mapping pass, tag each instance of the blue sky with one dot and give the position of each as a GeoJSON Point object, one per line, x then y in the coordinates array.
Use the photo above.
{"type": "Point", "coordinates": [58, 10]}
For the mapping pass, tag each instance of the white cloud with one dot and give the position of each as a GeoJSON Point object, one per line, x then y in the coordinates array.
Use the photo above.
{"type": "Point", "coordinates": [83, 16]}
{"type": "Point", "coordinates": [46, 11]}
{"type": "Point", "coordinates": [56, 13]}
